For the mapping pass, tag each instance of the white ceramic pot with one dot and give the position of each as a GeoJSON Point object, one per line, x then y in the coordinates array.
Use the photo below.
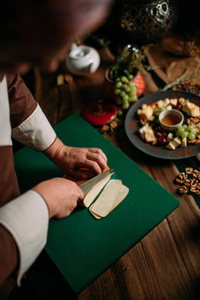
{"type": "Point", "coordinates": [82, 60]}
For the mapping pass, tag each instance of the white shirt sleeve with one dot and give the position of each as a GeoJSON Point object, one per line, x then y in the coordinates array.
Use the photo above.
{"type": "Point", "coordinates": [27, 219]}
{"type": "Point", "coordinates": [35, 132]}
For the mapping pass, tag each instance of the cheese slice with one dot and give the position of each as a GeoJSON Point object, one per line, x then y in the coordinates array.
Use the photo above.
{"type": "Point", "coordinates": [106, 200]}
{"type": "Point", "coordinates": [122, 195]}
{"type": "Point", "coordinates": [93, 193]}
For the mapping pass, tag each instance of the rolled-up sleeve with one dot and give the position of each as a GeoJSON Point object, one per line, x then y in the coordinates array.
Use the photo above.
{"type": "Point", "coordinates": [35, 132]}
{"type": "Point", "coordinates": [26, 218]}
{"type": "Point", "coordinates": [29, 124]}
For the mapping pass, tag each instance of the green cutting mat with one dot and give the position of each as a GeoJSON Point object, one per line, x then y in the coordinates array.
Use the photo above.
{"type": "Point", "coordinates": [81, 246]}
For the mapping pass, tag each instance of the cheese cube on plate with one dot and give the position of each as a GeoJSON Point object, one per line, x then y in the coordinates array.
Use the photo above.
{"type": "Point", "coordinates": [184, 142]}
{"type": "Point", "coordinates": [160, 103]}
{"type": "Point", "coordinates": [173, 144]}
{"type": "Point", "coordinates": [166, 102]}
{"type": "Point", "coordinates": [173, 102]}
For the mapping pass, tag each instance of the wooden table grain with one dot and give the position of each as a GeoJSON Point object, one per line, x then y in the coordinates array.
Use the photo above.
{"type": "Point", "coordinates": [165, 264]}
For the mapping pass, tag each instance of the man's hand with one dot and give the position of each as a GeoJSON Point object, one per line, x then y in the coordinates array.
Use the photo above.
{"type": "Point", "coordinates": [61, 196]}
{"type": "Point", "coordinates": [81, 163]}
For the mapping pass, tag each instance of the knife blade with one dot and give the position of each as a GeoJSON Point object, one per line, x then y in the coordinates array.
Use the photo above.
{"type": "Point", "coordinates": [86, 186]}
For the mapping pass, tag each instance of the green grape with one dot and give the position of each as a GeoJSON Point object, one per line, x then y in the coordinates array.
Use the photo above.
{"type": "Point", "coordinates": [133, 91]}
{"type": "Point", "coordinates": [125, 98]}
{"type": "Point", "coordinates": [193, 132]}
{"type": "Point", "coordinates": [189, 128]}
{"type": "Point", "coordinates": [119, 100]}
{"type": "Point", "coordinates": [156, 111]}
{"type": "Point", "coordinates": [124, 79]}
{"type": "Point", "coordinates": [118, 84]}
{"type": "Point", "coordinates": [120, 112]}
{"type": "Point", "coordinates": [117, 79]}
{"type": "Point", "coordinates": [133, 95]}
{"type": "Point", "coordinates": [191, 137]}
{"type": "Point", "coordinates": [184, 126]}
{"type": "Point", "coordinates": [122, 93]}
{"type": "Point", "coordinates": [125, 105]}
{"type": "Point", "coordinates": [117, 91]}
{"type": "Point", "coordinates": [131, 84]}
{"type": "Point", "coordinates": [127, 89]}
{"type": "Point", "coordinates": [132, 98]}
{"type": "Point", "coordinates": [130, 77]}
{"type": "Point", "coordinates": [162, 109]}
{"type": "Point", "coordinates": [184, 134]}
{"type": "Point", "coordinates": [180, 129]}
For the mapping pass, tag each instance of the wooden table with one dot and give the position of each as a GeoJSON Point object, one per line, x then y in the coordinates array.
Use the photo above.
{"type": "Point", "coordinates": [166, 263]}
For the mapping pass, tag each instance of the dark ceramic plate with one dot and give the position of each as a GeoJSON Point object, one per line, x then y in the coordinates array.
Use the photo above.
{"type": "Point", "coordinates": [132, 126]}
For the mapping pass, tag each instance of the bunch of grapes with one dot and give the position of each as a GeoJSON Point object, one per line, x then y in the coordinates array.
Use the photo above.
{"type": "Point", "coordinates": [186, 131]}
{"type": "Point", "coordinates": [125, 91]}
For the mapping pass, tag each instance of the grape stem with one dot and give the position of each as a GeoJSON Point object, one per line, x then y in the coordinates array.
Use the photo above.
{"type": "Point", "coordinates": [179, 79]}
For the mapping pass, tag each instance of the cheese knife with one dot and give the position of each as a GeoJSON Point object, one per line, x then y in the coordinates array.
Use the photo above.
{"type": "Point", "coordinates": [86, 186]}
